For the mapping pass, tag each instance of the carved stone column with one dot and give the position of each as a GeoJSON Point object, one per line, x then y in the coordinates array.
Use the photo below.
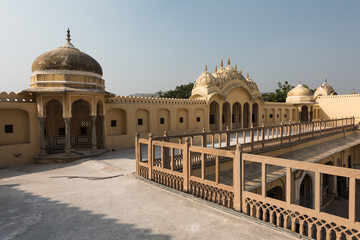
{"type": "Point", "coordinates": [42, 137]}
{"type": "Point", "coordinates": [93, 133]}
{"type": "Point", "coordinates": [102, 118]}
{"type": "Point", "coordinates": [67, 137]}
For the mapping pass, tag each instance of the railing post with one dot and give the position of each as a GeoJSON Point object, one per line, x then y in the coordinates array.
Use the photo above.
{"type": "Point", "coordinates": [299, 132]}
{"type": "Point", "coordinates": [353, 120]}
{"type": "Point", "coordinates": [186, 161]}
{"type": "Point", "coordinates": [343, 125]}
{"type": "Point", "coordinates": [137, 152]}
{"type": "Point", "coordinates": [263, 179]}
{"type": "Point", "coordinates": [262, 135]}
{"type": "Point", "coordinates": [237, 178]}
{"type": "Point", "coordinates": [313, 129]}
{"type": "Point", "coordinates": [320, 126]}
{"type": "Point", "coordinates": [227, 137]}
{"type": "Point", "coordinates": [204, 138]}
{"type": "Point", "coordinates": [288, 185]}
{"type": "Point", "coordinates": [281, 132]}
{"type": "Point", "coordinates": [317, 192]}
{"type": "Point", "coordinates": [252, 137]}
{"type": "Point", "coordinates": [165, 152]}
{"type": "Point", "coordinates": [290, 131]}
{"type": "Point", "coordinates": [150, 157]}
{"type": "Point", "coordinates": [352, 202]}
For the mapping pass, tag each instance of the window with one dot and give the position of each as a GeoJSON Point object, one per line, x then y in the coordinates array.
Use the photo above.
{"type": "Point", "coordinates": [140, 121]}
{"type": "Point", "coordinates": [271, 116]}
{"type": "Point", "coordinates": [62, 131]}
{"type": "Point", "coordinates": [83, 130]}
{"type": "Point", "coordinates": [197, 119]}
{"type": "Point", "coordinates": [212, 119]}
{"type": "Point", "coordinates": [277, 115]}
{"type": "Point", "coordinates": [263, 116]}
{"type": "Point", "coordinates": [181, 119]}
{"type": "Point", "coordinates": [162, 120]}
{"type": "Point", "coordinates": [113, 123]}
{"type": "Point", "coordinates": [9, 128]}
{"type": "Point", "coordinates": [223, 118]}
{"type": "Point", "coordinates": [285, 115]}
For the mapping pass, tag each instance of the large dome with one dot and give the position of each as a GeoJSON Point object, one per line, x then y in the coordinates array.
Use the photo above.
{"type": "Point", "coordinates": [66, 57]}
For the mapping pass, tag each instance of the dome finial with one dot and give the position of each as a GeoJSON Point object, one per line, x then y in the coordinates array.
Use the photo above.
{"type": "Point", "coordinates": [326, 80]}
{"type": "Point", "coordinates": [247, 76]}
{"type": "Point", "coordinates": [215, 68]}
{"type": "Point", "coordinates": [228, 61]}
{"type": "Point", "coordinates": [205, 68]}
{"type": "Point", "coordinates": [68, 39]}
{"type": "Point", "coordinates": [299, 83]}
{"type": "Point", "coordinates": [235, 67]}
{"type": "Point", "coordinates": [221, 63]}
{"type": "Point", "coordinates": [241, 71]}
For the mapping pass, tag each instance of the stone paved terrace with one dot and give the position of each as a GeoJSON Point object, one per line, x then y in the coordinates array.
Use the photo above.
{"type": "Point", "coordinates": [100, 198]}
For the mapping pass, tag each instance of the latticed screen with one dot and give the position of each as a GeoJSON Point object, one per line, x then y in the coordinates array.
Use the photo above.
{"type": "Point", "coordinates": [54, 118]}
{"type": "Point", "coordinates": [80, 119]}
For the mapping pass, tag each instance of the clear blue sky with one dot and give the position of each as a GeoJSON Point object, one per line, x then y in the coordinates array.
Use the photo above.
{"type": "Point", "coordinates": [145, 46]}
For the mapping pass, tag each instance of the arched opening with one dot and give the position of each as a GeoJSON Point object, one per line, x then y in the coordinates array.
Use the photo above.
{"type": "Point", "coordinates": [80, 124]}
{"type": "Point", "coordinates": [306, 192]}
{"type": "Point", "coordinates": [214, 115]}
{"type": "Point", "coordinates": [142, 120]}
{"type": "Point", "coordinates": [199, 119]}
{"type": "Point", "coordinates": [276, 192]}
{"type": "Point", "coordinates": [311, 113]}
{"type": "Point", "coordinates": [116, 122]}
{"type": "Point", "coordinates": [246, 115]}
{"type": "Point", "coordinates": [304, 114]}
{"type": "Point", "coordinates": [54, 126]}
{"type": "Point", "coordinates": [163, 120]}
{"type": "Point", "coordinates": [14, 126]}
{"type": "Point", "coordinates": [255, 115]}
{"type": "Point", "coordinates": [182, 119]}
{"type": "Point", "coordinates": [236, 116]}
{"type": "Point", "coordinates": [225, 115]}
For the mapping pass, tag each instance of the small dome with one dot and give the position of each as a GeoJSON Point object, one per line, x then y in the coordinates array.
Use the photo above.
{"type": "Point", "coordinates": [299, 90]}
{"type": "Point", "coordinates": [324, 90]}
{"type": "Point", "coordinates": [206, 79]}
{"type": "Point", "coordinates": [66, 57]}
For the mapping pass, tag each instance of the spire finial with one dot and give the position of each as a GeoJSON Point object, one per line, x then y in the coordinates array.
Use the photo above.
{"type": "Point", "coordinates": [241, 71]}
{"type": "Point", "coordinates": [247, 76]}
{"type": "Point", "coordinates": [221, 63]}
{"type": "Point", "coordinates": [205, 68]}
{"type": "Point", "coordinates": [235, 67]}
{"type": "Point", "coordinates": [68, 35]}
{"type": "Point", "coordinates": [299, 82]}
{"type": "Point", "coordinates": [228, 61]}
{"type": "Point", "coordinates": [326, 80]}
{"type": "Point", "coordinates": [215, 68]}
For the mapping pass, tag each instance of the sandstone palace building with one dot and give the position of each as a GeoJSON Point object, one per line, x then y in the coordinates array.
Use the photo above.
{"type": "Point", "coordinates": [67, 107]}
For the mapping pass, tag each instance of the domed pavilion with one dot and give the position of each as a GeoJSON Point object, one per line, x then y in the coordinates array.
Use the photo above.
{"type": "Point", "coordinates": [70, 96]}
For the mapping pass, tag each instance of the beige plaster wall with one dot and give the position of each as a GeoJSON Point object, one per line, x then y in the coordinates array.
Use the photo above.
{"type": "Point", "coordinates": [338, 106]}
{"type": "Point", "coordinates": [22, 145]}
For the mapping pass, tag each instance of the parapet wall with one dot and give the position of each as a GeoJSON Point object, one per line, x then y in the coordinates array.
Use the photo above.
{"type": "Point", "coordinates": [153, 100]}
{"type": "Point", "coordinates": [16, 97]}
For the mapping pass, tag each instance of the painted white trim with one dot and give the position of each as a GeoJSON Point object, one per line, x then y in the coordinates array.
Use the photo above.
{"type": "Point", "coordinates": [68, 82]}
{"type": "Point", "coordinates": [63, 71]}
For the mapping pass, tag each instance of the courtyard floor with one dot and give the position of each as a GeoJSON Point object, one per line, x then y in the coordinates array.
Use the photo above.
{"type": "Point", "coordinates": [100, 198]}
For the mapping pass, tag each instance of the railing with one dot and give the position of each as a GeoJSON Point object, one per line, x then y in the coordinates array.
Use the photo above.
{"type": "Point", "coordinates": [286, 214]}
{"type": "Point", "coordinates": [182, 166]}
{"type": "Point", "coordinates": [258, 138]}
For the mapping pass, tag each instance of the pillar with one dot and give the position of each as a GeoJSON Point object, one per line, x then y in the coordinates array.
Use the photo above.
{"type": "Point", "coordinates": [67, 137]}
{"type": "Point", "coordinates": [219, 124]}
{"type": "Point", "coordinates": [42, 137]}
{"type": "Point", "coordinates": [230, 117]}
{"type": "Point", "coordinates": [102, 118]}
{"type": "Point", "coordinates": [250, 115]}
{"type": "Point", "coordinates": [93, 133]}
{"type": "Point", "coordinates": [309, 114]}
